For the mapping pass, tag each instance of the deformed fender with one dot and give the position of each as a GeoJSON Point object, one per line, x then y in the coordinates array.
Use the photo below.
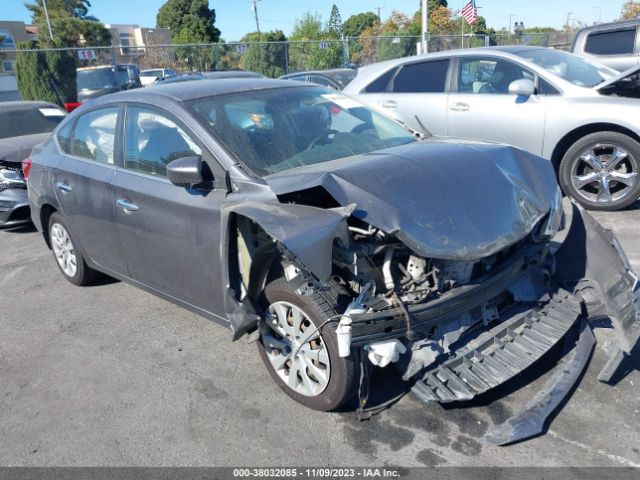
{"type": "Point", "coordinates": [307, 233]}
{"type": "Point", "coordinates": [592, 261]}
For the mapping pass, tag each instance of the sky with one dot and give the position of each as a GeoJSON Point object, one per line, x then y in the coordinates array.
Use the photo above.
{"type": "Point", "coordinates": [235, 17]}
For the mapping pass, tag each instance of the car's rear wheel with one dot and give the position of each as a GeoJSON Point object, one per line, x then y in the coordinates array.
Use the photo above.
{"type": "Point", "coordinates": [601, 171]}
{"type": "Point", "coordinates": [68, 257]}
{"type": "Point", "coordinates": [299, 354]}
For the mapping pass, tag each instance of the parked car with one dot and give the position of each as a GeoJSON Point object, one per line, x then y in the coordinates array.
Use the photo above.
{"type": "Point", "coordinates": [220, 74]}
{"type": "Point", "coordinates": [579, 114]}
{"type": "Point", "coordinates": [615, 45]}
{"type": "Point", "coordinates": [331, 234]}
{"type": "Point", "coordinates": [337, 78]}
{"type": "Point", "coordinates": [149, 76]}
{"type": "Point", "coordinates": [23, 125]}
{"type": "Point", "coordinates": [97, 81]}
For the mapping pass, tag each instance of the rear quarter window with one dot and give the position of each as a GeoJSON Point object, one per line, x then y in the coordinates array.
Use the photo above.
{"type": "Point", "coordinates": [614, 42]}
{"type": "Point", "coordinates": [381, 84]}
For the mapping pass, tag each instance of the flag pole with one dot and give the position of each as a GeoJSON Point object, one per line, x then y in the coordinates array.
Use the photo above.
{"type": "Point", "coordinates": [462, 25]}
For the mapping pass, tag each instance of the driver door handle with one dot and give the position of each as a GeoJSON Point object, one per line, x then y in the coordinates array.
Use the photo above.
{"type": "Point", "coordinates": [459, 107]}
{"type": "Point", "coordinates": [63, 187]}
{"type": "Point", "coordinates": [127, 206]}
{"type": "Point", "coordinates": [389, 104]}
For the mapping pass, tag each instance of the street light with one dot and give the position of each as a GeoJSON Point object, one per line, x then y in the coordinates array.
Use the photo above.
{"type": "Point", "coordinates": [569, 19]}
{"type": "Point", "coordinates": [511, 17]}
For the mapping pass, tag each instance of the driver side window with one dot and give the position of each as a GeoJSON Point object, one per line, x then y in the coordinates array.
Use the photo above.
{"type": "Point", "coordinates": [152, 141]}
{"type": "Point", "coordinates": [480, 75]}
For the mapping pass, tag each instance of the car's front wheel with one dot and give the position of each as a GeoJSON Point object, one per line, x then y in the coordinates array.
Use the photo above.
{"type": "Point", "coordinates": [68, 257]}
{"type": "Point", "coordinates": [300, 355]}
{"type": "Point", "coordinates": [601, 171]}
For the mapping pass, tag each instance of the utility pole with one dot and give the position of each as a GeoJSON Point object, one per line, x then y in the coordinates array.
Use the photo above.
{"type": "Point", "coordinates": [379, 17]}
{"type": "Point", "coordinates": [46, 14]}
{"type": "Point", "coordinates": [254, 6]}
{"type": "Point", "coordinates": [569, 19]}
{"type": "Point", "coordinates": [600, 15]}
{"type": "Point", "coordinates": [425, 26]}
{"type": "Point", "coordinates": [511, 17]}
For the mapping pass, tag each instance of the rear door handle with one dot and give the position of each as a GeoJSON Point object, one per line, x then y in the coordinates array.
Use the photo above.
{"type": "Point", "coordinates": [459, 107]}
{"type": "Point", "coordinates": [63, 187]}
{"type": "Point", "coordinates": [390, 104]}
{"type": "Point", "coordinates": [127, 206]}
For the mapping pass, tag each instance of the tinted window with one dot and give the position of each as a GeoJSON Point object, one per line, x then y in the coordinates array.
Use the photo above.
{"type": "Point", "coordinates": [15, 122]}
{"type": "Point", "coordinates": [152, 141]}
{"type": "Point", "coordinates": [321, 81]}
{"type": "Point", "coordinates": [64, 137]}
{"type": "Point", "coordinates": [425, 77]}
{"type": "Point", "coordinates": [151, 73]}
{"type": "Point", "coordinates": [611, 43]}
{"type": "Point", "coordinates": [381, 84]}
{"type": "Point", "coordinates": [94, 136]}
{"type": "Point", "coordinates": [489, 75]}
{"type": "Point", "coordinates": [96, 79]}
{"type": "Point", "coordinates": [545, 88]}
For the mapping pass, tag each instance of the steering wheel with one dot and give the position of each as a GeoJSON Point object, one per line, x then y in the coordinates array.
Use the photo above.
{"type": "Point", "coordinates": [324, 134]}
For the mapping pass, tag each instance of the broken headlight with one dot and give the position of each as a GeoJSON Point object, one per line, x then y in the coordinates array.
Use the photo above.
{"type": "Point", "coordinates": [555, 220]}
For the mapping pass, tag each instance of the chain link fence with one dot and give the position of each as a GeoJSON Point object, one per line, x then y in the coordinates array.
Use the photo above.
{"type": "Point", "coordinates": [268, 58]}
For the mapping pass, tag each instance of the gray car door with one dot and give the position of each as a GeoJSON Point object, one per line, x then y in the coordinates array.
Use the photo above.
{"type": "Point", "coordinates": [170, 234]}
{"type": "Point", "coordinates": [417, 95]}
{"type": "Point", "coordinates": [82, 179]}
{"type": "Point", "coordinates": [480, 106]}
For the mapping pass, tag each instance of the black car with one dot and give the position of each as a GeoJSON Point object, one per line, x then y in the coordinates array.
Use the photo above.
{"type": "Point", "coordinates": [100, 80]}
{"type": "Point", "coordinates": [333, 236]}
{"type": "Point", "coordinates": [23, 125]}
{"type": "Point", "coordinates": [337, 78]}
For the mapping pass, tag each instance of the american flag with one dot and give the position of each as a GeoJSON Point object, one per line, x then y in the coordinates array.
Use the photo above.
{"type": "Point", "coordinates": [470, 13]}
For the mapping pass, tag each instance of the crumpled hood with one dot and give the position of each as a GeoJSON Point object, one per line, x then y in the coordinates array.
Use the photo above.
{"type": "Point", "coordinates": [16, 149]}
{"type": "Point", "coordinates": [444, 198]}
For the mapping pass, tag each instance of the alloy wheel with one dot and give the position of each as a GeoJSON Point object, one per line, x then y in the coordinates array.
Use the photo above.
{"type": "Point", "coordinates": [295, 349]}
{"type": "Point", "coordinates": [604, 173]}
{"type": "Point", "coordinates": [64, 250]}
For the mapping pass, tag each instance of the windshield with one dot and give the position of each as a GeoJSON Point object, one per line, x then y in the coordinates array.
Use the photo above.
{"type": "Point", "coordinates": [29, 121]}
{"type": "Point", "coordinates": [569, 67]}
{"type": "Point", "coordinates": [96, 79]}
{"type": "Point", "coordinates": [278, 129]}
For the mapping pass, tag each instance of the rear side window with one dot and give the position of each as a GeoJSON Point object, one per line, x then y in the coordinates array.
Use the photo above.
{"type": "Point", "coordinates": [94, 135]}
{"type": "Point", "coordinates": [424, 77]}
{"type": "Point", "coordinates": [616, 42]}
{"type": "Point", "coordinates": [64, 137]}
{"type": "Point", "coordinates": [381, 84]}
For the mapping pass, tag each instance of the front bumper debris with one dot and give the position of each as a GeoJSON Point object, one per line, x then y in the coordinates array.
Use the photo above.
{"type": "Point", "coordinates": [529, 421]}
{"type": "Point", "coordinates": [500, 353]}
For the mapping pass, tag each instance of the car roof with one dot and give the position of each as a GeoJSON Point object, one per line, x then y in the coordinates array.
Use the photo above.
{"type": "Point", "coordinates": [604, 26]}
{"type": "Point", "coordinates": [192, 89]}
{"type": "Point", "coordinates": [24, 105]}
{"type": "Point", "coordinates": [318, 72]}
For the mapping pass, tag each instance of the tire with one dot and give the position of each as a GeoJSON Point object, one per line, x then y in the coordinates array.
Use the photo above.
{"type": "Point", "coordinates": [68, 258]}
{"type": "Point", "coordinates": [594, 157]}
{"type": "Point", "coordinates": [342, 373]}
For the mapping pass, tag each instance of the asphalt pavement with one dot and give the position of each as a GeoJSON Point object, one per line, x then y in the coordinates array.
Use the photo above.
{"type": "Point", "coordinates": [109, 375]}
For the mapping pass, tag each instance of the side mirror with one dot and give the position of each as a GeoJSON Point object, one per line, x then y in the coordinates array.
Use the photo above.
{"type": "Point", "coordinates": [185, 171]}
{"type": "Point", "coordinates": [522, 88]}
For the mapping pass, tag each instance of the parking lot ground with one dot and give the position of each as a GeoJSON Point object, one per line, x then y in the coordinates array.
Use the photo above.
{"type": "Point", "coordinates": [110, 375]}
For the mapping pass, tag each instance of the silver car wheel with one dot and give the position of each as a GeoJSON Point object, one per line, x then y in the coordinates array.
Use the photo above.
{"type": "Point", "coordinates": [296, 349]}
{"type": "Point", "coordinates": [604, 173]}
{"type": "Point", "coordinates": [64, 250]}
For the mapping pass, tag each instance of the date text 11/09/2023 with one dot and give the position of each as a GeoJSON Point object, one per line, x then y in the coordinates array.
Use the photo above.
{"type": "Point", "coordinates": [310, 473]}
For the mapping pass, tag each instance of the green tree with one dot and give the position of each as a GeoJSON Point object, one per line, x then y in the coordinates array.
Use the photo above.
{"type": "Point", "coordinates": [45, 75]}
{"type": "Point", "coordinates": [265, 58]}
{"type": "Point", "coordinates": [356, 24]}
{"type": "Point", "coordinates": [314, 53]}
{"type": "Point", "coordinates": [334, 27]}
{"type": "Point", "coordinates": [70, 23]}
{"type": "Point", "coordinates": [630, 10]}
{"type": "Point", "coordinates": [190, 21]}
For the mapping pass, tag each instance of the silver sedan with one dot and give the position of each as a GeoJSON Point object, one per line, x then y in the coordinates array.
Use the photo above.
{"type": "Point", "coordinates": [581, 115]}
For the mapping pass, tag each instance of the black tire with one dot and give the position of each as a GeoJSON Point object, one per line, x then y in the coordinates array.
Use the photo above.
{"type": "Point", "coordinates": [320, 306]}
{"type": "Point", "coordinates": [84, 275]}
{"type": "Point", "coordinates": [571, 159]}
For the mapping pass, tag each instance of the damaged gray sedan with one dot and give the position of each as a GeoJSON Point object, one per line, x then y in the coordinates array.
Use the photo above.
{"type": "Point", "coordinates": [335, 238]}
